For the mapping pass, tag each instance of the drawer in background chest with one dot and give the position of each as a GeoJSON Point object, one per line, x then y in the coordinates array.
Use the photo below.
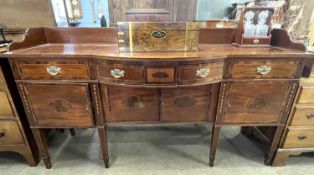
{"type": "Point", "coordinates": [54, 69]}
{"type": "Point", "coordinates": [303, 116]}
{"type": "Point", "coordinates": [285, 68]}
{"type": "Point", "coordinates": [5, 105]}
{"type": "Point", "coordinates": [10, 133]}
{"type": "Point", "coordinates": [299, 137]}
{"type": "Point", "coordinates": [306, 95]}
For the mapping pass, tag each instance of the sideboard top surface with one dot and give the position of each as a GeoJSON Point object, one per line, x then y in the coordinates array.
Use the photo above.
{"type": "Point", "coordinates": [102, 43]}
{"type": "Point", "coordinates": [111, 51]}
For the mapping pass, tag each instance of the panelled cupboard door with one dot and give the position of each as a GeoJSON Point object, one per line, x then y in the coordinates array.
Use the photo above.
{"type": "Point", "coordinates": [132, 104]}
{"type": "Point", "coordinates": [188, 104]}
{"type": "Point", "coordinates": [257, 102]}
{"type": "Point", "coordinates": [60, 105]}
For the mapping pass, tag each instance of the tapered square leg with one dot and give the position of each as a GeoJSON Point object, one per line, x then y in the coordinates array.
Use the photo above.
{"type": "Point", "coordinates": [102, 131]}
{"type": "Point", "coordinates": [214, 144]}
{"type": "Point", "coordinates": [72, 131]}
{"type": "Point", "coordinates": [41, 142]}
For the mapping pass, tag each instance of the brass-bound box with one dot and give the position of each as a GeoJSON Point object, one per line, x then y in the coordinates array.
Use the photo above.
{"type": "Point", "coordinates": [158, 37]}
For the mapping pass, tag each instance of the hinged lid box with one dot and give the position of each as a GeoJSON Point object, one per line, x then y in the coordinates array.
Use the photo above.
{"type": "Point", "coordinates": [158, 37]}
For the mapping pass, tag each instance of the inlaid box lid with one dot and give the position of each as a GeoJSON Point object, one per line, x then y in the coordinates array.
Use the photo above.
{"type": "Point", "coordinates": [158, 37]}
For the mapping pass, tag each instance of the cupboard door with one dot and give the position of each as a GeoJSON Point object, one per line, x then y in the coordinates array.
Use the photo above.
{"type": "Point", "coordinates": [190, 104]}
{"type": "Point", "coordinates": [132, 104]}
{"type": "Point", "coordinates": [60, 105]}
{"type": "Point", "coordinates": [255, 102]}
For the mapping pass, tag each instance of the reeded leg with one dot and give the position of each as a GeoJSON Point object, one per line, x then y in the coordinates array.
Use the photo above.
{"type": "Point", "coordinates": [273, 145]}
{"type": "Point", "coordinates": [72, 132]}
{"type": "Point", "coordinates": [102, 131]}
{"type": "Point", "coordinates": [214, 144]}
{"type": "Point", "coordinates": [41, 142]}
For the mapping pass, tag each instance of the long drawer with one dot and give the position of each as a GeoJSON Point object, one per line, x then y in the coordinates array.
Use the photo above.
{"type": "Point", "coordinates": [299, 137]}
{"type": "Point", "coordinates": [263, 68]}
{"type": "Point", "coordinates": [54, 69]}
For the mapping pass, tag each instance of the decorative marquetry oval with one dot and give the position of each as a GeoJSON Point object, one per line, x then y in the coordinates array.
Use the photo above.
{"type": "Point", "coordinates": [185, 101]}
{"type": "Point", "coordinates": [256, 103]}
{"type": "Point", "coordinates": [160, 75]}
{"type": "Point", "coordinates": [159, 34]}
{"type": "Point", "coordinates": [134, 102]}
{"type": "Point", "coordinates": [60, 105]}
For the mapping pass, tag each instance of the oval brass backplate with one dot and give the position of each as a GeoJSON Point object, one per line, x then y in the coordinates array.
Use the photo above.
{"type": "Point", "coordinates": [159, 34]}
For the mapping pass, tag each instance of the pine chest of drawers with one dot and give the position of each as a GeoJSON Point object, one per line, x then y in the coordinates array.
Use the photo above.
{"type": "Point", "coordinates": [15, 133]}
{"type": "Point", "coordinates": [299, 133]}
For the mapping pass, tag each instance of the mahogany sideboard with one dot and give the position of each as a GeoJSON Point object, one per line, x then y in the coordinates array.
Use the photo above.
{"type": "Point", "coordinates": [77, 78]}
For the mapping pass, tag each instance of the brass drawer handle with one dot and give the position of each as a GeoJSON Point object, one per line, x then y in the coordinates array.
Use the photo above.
{"type": "Point", "coordinates": [160, 75]}
{"type": "Point", "coordinates": [301, 138]}
{"type": "Point", "coordinates": [1, 133]}
{"type": "Point", "coordinates": [263, 70]}
{"type": "Point", "coordinates": [117, 73]}
{"type": "Point", "coordinates": [54, 70]}
{"type": "Point", "coordinates": [202, 73]}
{"type": "Point", "coordinates": [256, 41]}
{"type": "Point", "coordinates": [310, 116]}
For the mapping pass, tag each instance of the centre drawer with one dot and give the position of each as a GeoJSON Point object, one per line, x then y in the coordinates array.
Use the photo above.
{"type": "Point", "coordinates": [48, 68]}
{"type": "Point", "coordinates": [160, 75]}
{"type": "Point", "coordinates": [10, 133]}
{"type": "Point", "coordinates": [285, 68]}
{"type": "Point", "coordinates": [299, 137]}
